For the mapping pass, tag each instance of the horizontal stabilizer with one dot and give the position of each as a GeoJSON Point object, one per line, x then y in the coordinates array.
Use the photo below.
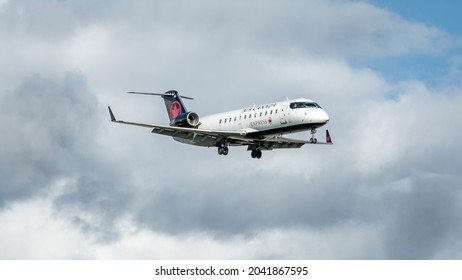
{"type": "Point", "coordinates": [159, 94]}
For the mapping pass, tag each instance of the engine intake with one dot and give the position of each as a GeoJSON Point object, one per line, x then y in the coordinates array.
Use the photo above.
{"type": "Point", "coordinates": [189, 119]}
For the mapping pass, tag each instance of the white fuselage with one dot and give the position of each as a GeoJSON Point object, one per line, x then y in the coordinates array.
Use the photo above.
{"type": "Point", "coordinates": [269, 119]}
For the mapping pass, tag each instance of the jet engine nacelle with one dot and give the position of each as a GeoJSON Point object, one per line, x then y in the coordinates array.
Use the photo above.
{"type": "Point", "coordinates": [188, 119]}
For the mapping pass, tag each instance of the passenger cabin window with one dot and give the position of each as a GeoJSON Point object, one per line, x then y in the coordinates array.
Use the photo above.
{"type": "Point", "coordinates": [298, 105]}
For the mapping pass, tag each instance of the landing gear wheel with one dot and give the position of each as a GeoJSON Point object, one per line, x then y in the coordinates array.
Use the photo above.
{"type": "Point", "coordinates": [223, 151]}
{"type": "Point", "coordinates": [256, 153]}
{"type": "Point", "coordinates": [223, 147]}
{"type": "Point", "coordinates": [313, 139]}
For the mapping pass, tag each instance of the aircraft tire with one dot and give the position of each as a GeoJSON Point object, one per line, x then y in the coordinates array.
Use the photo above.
{"type": "Point", "coordinates": [259, 154]}
{"type": "Point", "coordinates": [256, 153]}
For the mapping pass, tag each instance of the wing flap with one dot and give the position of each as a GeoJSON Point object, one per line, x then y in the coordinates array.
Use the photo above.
{"type": "Point", "coordinates": [281, 143]}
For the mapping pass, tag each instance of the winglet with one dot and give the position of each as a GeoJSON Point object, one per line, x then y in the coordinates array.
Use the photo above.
{"type": "Point", "coordinates": [113, 119]}
{"type": "Point", "coordinates": [328, 139]}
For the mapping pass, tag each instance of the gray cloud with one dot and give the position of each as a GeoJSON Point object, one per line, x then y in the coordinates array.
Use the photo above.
{"type": "Point", "coordinates": [51, 124]}
{"type": "Point", "coordinates": [50, 20]}
{"type": "Point", "coordinates": [424, 219]}
{"type": "Point", "coordinates": [46, 121]}
{"type": "Point", "coordinates": [244, 206]}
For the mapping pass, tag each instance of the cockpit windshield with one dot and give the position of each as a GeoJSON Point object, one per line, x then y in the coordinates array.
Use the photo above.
{"type": "Point", "coordinates": [298, 105]}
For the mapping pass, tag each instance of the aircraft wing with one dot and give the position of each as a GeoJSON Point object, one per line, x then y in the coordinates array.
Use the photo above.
{"type": "Point", "coordinates": [234, 138]}
{"type": "Point", "coordinates": [185, 132]}
{"type": "Point", "coordinates": [279, 143]}
{"type": "Point", "coordinates": [182, 132]}
{"type": "Point", "coordinates": [284, 143]}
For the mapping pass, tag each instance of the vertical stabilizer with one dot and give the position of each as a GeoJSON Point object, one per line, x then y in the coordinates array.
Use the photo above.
{"type": "Point", "coordinates": [173, 104]}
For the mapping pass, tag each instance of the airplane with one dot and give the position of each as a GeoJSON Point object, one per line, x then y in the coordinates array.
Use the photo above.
{"type": "Point", "coordinates": [257, 127]}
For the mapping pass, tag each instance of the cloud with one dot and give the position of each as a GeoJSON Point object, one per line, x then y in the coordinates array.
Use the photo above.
{"type": "Point", "coordinates": [388, 188]}
{"type": "Point", "coordinates": [30, 230]}
{"type": "Point", "coordinates": [47, 122]}
{"type": "Point", "coordinates": [33, 230]}
{"type": "Point", "coordinates": [51, 124]}
{"type": "Point", "coordinates": [420, 125]}
{"type": "Point", "coordinates": [425, 218]}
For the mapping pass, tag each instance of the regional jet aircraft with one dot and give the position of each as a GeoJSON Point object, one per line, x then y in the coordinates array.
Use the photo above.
{"type": "Point", "coordinates": [257, 127]}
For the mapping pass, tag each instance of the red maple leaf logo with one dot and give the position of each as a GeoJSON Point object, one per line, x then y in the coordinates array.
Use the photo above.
{"type": "Point", "coordinates": [175, 110]}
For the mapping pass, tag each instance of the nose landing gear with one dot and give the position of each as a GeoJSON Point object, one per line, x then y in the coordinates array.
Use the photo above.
{"type": "Point", "coordinates": [313, 139]}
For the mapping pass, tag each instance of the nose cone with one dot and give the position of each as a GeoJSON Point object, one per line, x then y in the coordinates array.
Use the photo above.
{"type": "Point", "coordinates": [323, 117]}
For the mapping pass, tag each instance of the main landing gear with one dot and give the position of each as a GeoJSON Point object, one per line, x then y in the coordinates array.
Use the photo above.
{"type": "Point", "coordinates": [223, 150]}
{"type": "Point", "coordinates": [313, 139]}
{"type": "Point", "coordinates": [256, 153]}
{"type": "Point", "coordinates": [223, 147]}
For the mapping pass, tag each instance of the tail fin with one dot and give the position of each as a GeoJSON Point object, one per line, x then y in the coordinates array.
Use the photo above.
{"type": "Point", "coordinates": [173, 102]}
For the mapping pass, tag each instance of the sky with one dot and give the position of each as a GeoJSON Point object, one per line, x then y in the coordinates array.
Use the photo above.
{"type": "Point", "coordinates": [73, 185]}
